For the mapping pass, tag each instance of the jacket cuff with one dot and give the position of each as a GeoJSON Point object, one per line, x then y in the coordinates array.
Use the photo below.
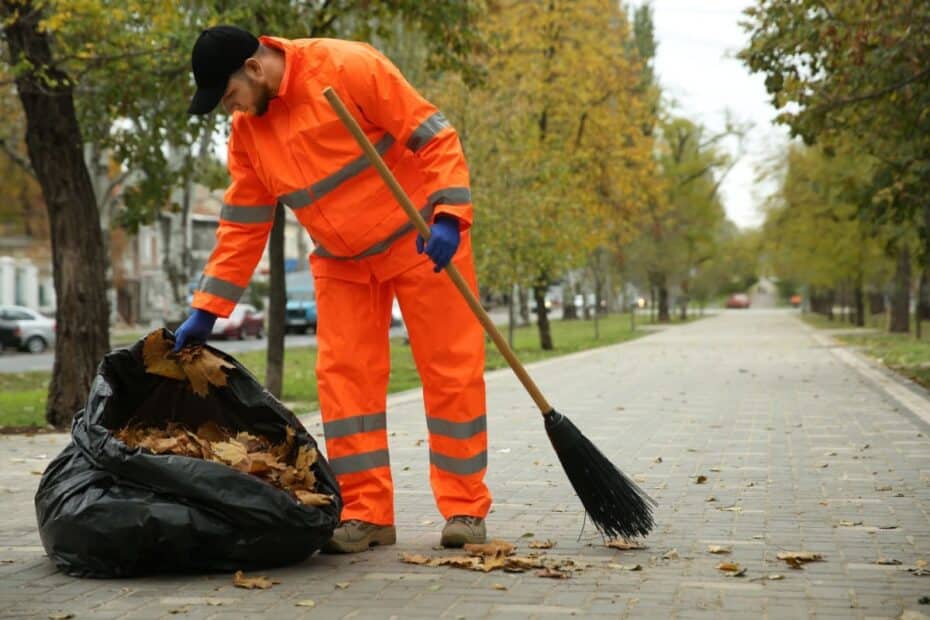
{"type": "Point", "coordinates": [463, 213]}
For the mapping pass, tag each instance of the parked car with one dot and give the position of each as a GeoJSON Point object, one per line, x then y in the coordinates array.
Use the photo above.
{"type": "Point", "coordinates": [738, 300]}
{"type": "Point", "coordinates": [245, 320]}
{"type": "Point", "coordinates": [25, 329]}
{"type": "Point", "coordinates": [300, 316]}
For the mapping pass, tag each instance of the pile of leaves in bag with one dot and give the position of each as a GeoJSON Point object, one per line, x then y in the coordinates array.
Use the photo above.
{"type": "Point", "coordinates": [180, 463]}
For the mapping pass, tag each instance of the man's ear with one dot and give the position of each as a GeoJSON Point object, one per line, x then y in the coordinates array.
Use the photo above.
{"type": "Point", "coordinates": [254, 69]}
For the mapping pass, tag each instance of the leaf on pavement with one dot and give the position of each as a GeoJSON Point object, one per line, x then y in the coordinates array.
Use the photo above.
{"type": "Point", "coordinates": [630, 567]}
{"type": "Point", "coordinates": [888, 561]}
{"type": "Point", "coordinates": [718, 549]}
{"type": "Point", "coordinates": [700, 479]}
{"type": "Point", "coordinates": [309, 602]}
{"type": "Point", "coordinates": [492, 548]}
{"type": "Point", "coordinates": [732, 569]}
{"type": "Point", "coordinates": [796, 559]}
{"type": "Point", "coordinates": [625, 545]}
{"type": "Point", "coordinates": [499, 586]}
{"type": "Point", "coordinates": [251, 583]}
{"type": "Point", "coordinates": [155, 355]}
{"type": "Point", "coordinates": [542, 544]}
{"type": "Point", "coordinates": [671, 554]}
{"type": "Point", "coordinates": [519, 564]}
{"type": "Point", "coordinates": [415, 558]}
{"type": "Point", "coordinates": [554, 573]}
{"type": "Point", "coordinates": [846, 523]}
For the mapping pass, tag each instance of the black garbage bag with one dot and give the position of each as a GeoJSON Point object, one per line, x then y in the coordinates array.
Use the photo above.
{"type": "Point", "coordinates": [107, 510]}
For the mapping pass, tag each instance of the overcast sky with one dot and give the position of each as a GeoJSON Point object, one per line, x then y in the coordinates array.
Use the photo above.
{"type": "Point", "coordinates": [697, 41]}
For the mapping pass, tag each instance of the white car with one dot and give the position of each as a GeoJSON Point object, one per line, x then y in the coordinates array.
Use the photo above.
{"type": "Point", "coordinates": [26, 329]}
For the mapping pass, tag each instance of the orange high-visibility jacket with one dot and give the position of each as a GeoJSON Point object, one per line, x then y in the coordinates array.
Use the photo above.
{"type": "Point", "coordinates": [299, 154]}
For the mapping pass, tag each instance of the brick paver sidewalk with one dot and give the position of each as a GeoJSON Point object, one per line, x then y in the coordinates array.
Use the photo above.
{"type": "Point", "coordinates": [799, 450]}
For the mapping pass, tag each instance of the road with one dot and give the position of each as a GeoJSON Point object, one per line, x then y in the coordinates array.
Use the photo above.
{"type": "Point", "coordinates": [753, 433]}
{"type": "Point", "coordinates": [14, 361]}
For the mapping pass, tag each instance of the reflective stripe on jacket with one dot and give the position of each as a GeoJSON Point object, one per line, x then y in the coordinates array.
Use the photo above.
{"type": "Point", "coordinates": [300, 155]}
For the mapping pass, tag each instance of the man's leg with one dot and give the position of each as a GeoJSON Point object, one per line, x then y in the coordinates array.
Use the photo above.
{"type": "Point", "coordinates": [353, 367]}
{"type": "Point", "coordinates": [448, 347]}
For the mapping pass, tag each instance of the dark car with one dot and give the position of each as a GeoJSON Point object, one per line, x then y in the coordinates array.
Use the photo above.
{"type": "Point", "coordinates": [245, 320]}
{"type": "Point", "coordinates": [26, 329]}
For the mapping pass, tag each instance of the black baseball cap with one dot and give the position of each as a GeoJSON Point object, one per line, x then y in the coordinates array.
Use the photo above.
{"type": "Point", "coordinates": [219, 52]}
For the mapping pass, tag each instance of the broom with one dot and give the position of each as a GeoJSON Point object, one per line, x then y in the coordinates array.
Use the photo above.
{"type": "Point", "coordinates": [616, 505]}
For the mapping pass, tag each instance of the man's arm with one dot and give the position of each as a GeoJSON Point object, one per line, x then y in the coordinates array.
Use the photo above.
{"type": "Point", "coordinates": [245, 222]}
{"type": "Point", "coordinates": [386, 99]}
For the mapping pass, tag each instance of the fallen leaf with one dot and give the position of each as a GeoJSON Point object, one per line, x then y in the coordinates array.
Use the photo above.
{"type": "Point", "coordinates": [309, 602]}
{"type": "Point", "coordinates": [308, 498]}
{"type": "Point", "coordinates": [251, 583]}
{"type": "Point", "coordinates": [732, 569]}
{"type": "Point", "coordinates": [671, 554]}
{"type": "Point", "coordinates": [846, 523]}
{"type": "Point", "coordinates": [458, 561]}
{"type": "Point", "coordinates": [542, 544]}
{"type": "Point", "coordinates": [700, 479]}
{"type": "Point", "coordinates": [414, 558]}
{"type": "Point", "coordinates": [155, 352]}
{"type": "Point", "coordinates": [658, 459]}
{"type": "Point", "coordinates": [772, 577]}
{"type": "Point", "coordinates": [731, 509]}
{"type": "Point", "coordinates": [888, 561]}
{"type": "Point", "coordinates": [796, 559]}
{"type": "Point", "coordinates": [519, 564]}
{"type": "Point", "coordinates": [342, 585]}
{"type": "Point", "coordinates": [715, 469]}
{"type": "Point", "coordinates": [203, 369]}
{"type": "Point", "coordinates": [629, 567]}
{"type": "Point", "coordinates": [711, 499]}
{"type": "Point", "coordinates": [230, 452]}
{"type": "Point", "coordinates": [625, 545]}
{"type": "Point", "coordinates": [493, 548]}
{"type": "Point", "coordinates": [527, 535]}
{"type": "Point", "coordinates": [553, 573]}
{"type": "Point", "coordinates": [60, 616]}
{"type": "Point", "coordinates": [499, 586]}
{"type": "Point", "coordinates": [718, 549]}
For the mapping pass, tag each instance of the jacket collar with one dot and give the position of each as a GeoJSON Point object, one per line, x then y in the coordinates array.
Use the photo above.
{"type": "Point", "coordinates": [286, 47]}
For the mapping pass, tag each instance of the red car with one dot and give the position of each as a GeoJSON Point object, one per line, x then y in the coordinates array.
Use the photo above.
{"type": "Point", "coordinates": [738, 300]}
{"type": "Point", "coordinates": [244, 321]}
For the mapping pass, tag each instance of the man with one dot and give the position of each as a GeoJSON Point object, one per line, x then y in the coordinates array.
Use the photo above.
{"type": "Point", "coordinates": [288, 147]}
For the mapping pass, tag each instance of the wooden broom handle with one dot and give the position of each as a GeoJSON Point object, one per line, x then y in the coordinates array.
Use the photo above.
{"type": "Point", "coordinates": [421, 226]}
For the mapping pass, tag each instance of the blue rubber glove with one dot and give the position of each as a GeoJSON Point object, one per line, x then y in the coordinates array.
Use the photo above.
{"type": "Point", "coordinates": [443, 241]}
{"type": "Point", "coordinates": [195, 329]}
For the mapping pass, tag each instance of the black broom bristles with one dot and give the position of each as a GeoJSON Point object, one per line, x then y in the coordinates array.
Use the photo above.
{"type": "Point", "coordinates": [616, 505]}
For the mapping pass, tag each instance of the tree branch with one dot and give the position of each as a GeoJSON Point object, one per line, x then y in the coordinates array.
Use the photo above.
{"type": "Point", "coordinates": [839, 103]}
{"type": "Point", "coordinates": [18, 159]}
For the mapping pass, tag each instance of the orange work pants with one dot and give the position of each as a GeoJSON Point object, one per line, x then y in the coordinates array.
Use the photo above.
{"type": "Point", "coordinates": [353, 367]}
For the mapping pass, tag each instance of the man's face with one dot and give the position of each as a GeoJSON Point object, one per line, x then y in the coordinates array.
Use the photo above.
{"type": "Point", "coordinates": [246, 94]}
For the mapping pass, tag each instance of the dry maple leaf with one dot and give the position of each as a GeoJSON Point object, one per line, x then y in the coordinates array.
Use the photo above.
{"type": "Point", "coordinates": [492, 548]}
{"type": "Point", "coordinates": [210, 431]}
{"type": "Point", "coordinates": [413, 558]}
{"type": "Point", "coordinates": [542, 544]}
{"type": "Point", "coordinates": [306, 456]}
{"type": "Point", "coordinates": [458, 561]}
{"type": "Point", "coordinates": [625, 545]}
{"type": "Point", "coordinates": [519, 564]}
{"type": "Point", "coordinates": [230, 452]}
{"type": "Point", "coordinates": [251, 583]}
{"type": "Point", "coordinates": [205, 369]}
{"type": "Point", "coordinates": [313, 499]}
{"type": "Point", "coordinates": [155, 356]}
{"type": "Point", "coordinates": [796, 559]}
{"type": "Point", "coordinates": [554, 573]}
{"type": "Point", "coordinates": [729, 567]}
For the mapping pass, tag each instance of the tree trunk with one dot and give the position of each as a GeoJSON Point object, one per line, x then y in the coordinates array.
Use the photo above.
{"type": "Point", "coordinates": [511, 316]}
{"type": "Point", "coordinates": [901, 298]}
{"type": "Point", "coordinates": [524, 306]}
{"type": "Point", "coordinates": [542, 318]}
{"type": "Point", "coordinates": [569, 312]}
{"type": "Point", "coordinates": [876, 303]}
{"type": "Point", "coordinates": [277, 300]}
{"type": "Point", "coordinates": [664, 316]}
{"type": "Point", "coordinates": [53, 139]}
{"type": "Point", "coordinates": [860, 305]}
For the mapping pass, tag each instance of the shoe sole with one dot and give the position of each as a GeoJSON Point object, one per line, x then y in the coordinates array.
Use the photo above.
{"type": "Point", "coordinates": [381, 536]}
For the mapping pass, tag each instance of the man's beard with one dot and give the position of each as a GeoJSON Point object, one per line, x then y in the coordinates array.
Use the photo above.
{"type": "Point", "coordinates": [262, 100]}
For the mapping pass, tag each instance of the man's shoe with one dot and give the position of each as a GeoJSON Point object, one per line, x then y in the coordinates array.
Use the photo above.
{"type": "Point", "coordinates": [463, 530]}
{"type": "Point", "coordinates": [353, 536]}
